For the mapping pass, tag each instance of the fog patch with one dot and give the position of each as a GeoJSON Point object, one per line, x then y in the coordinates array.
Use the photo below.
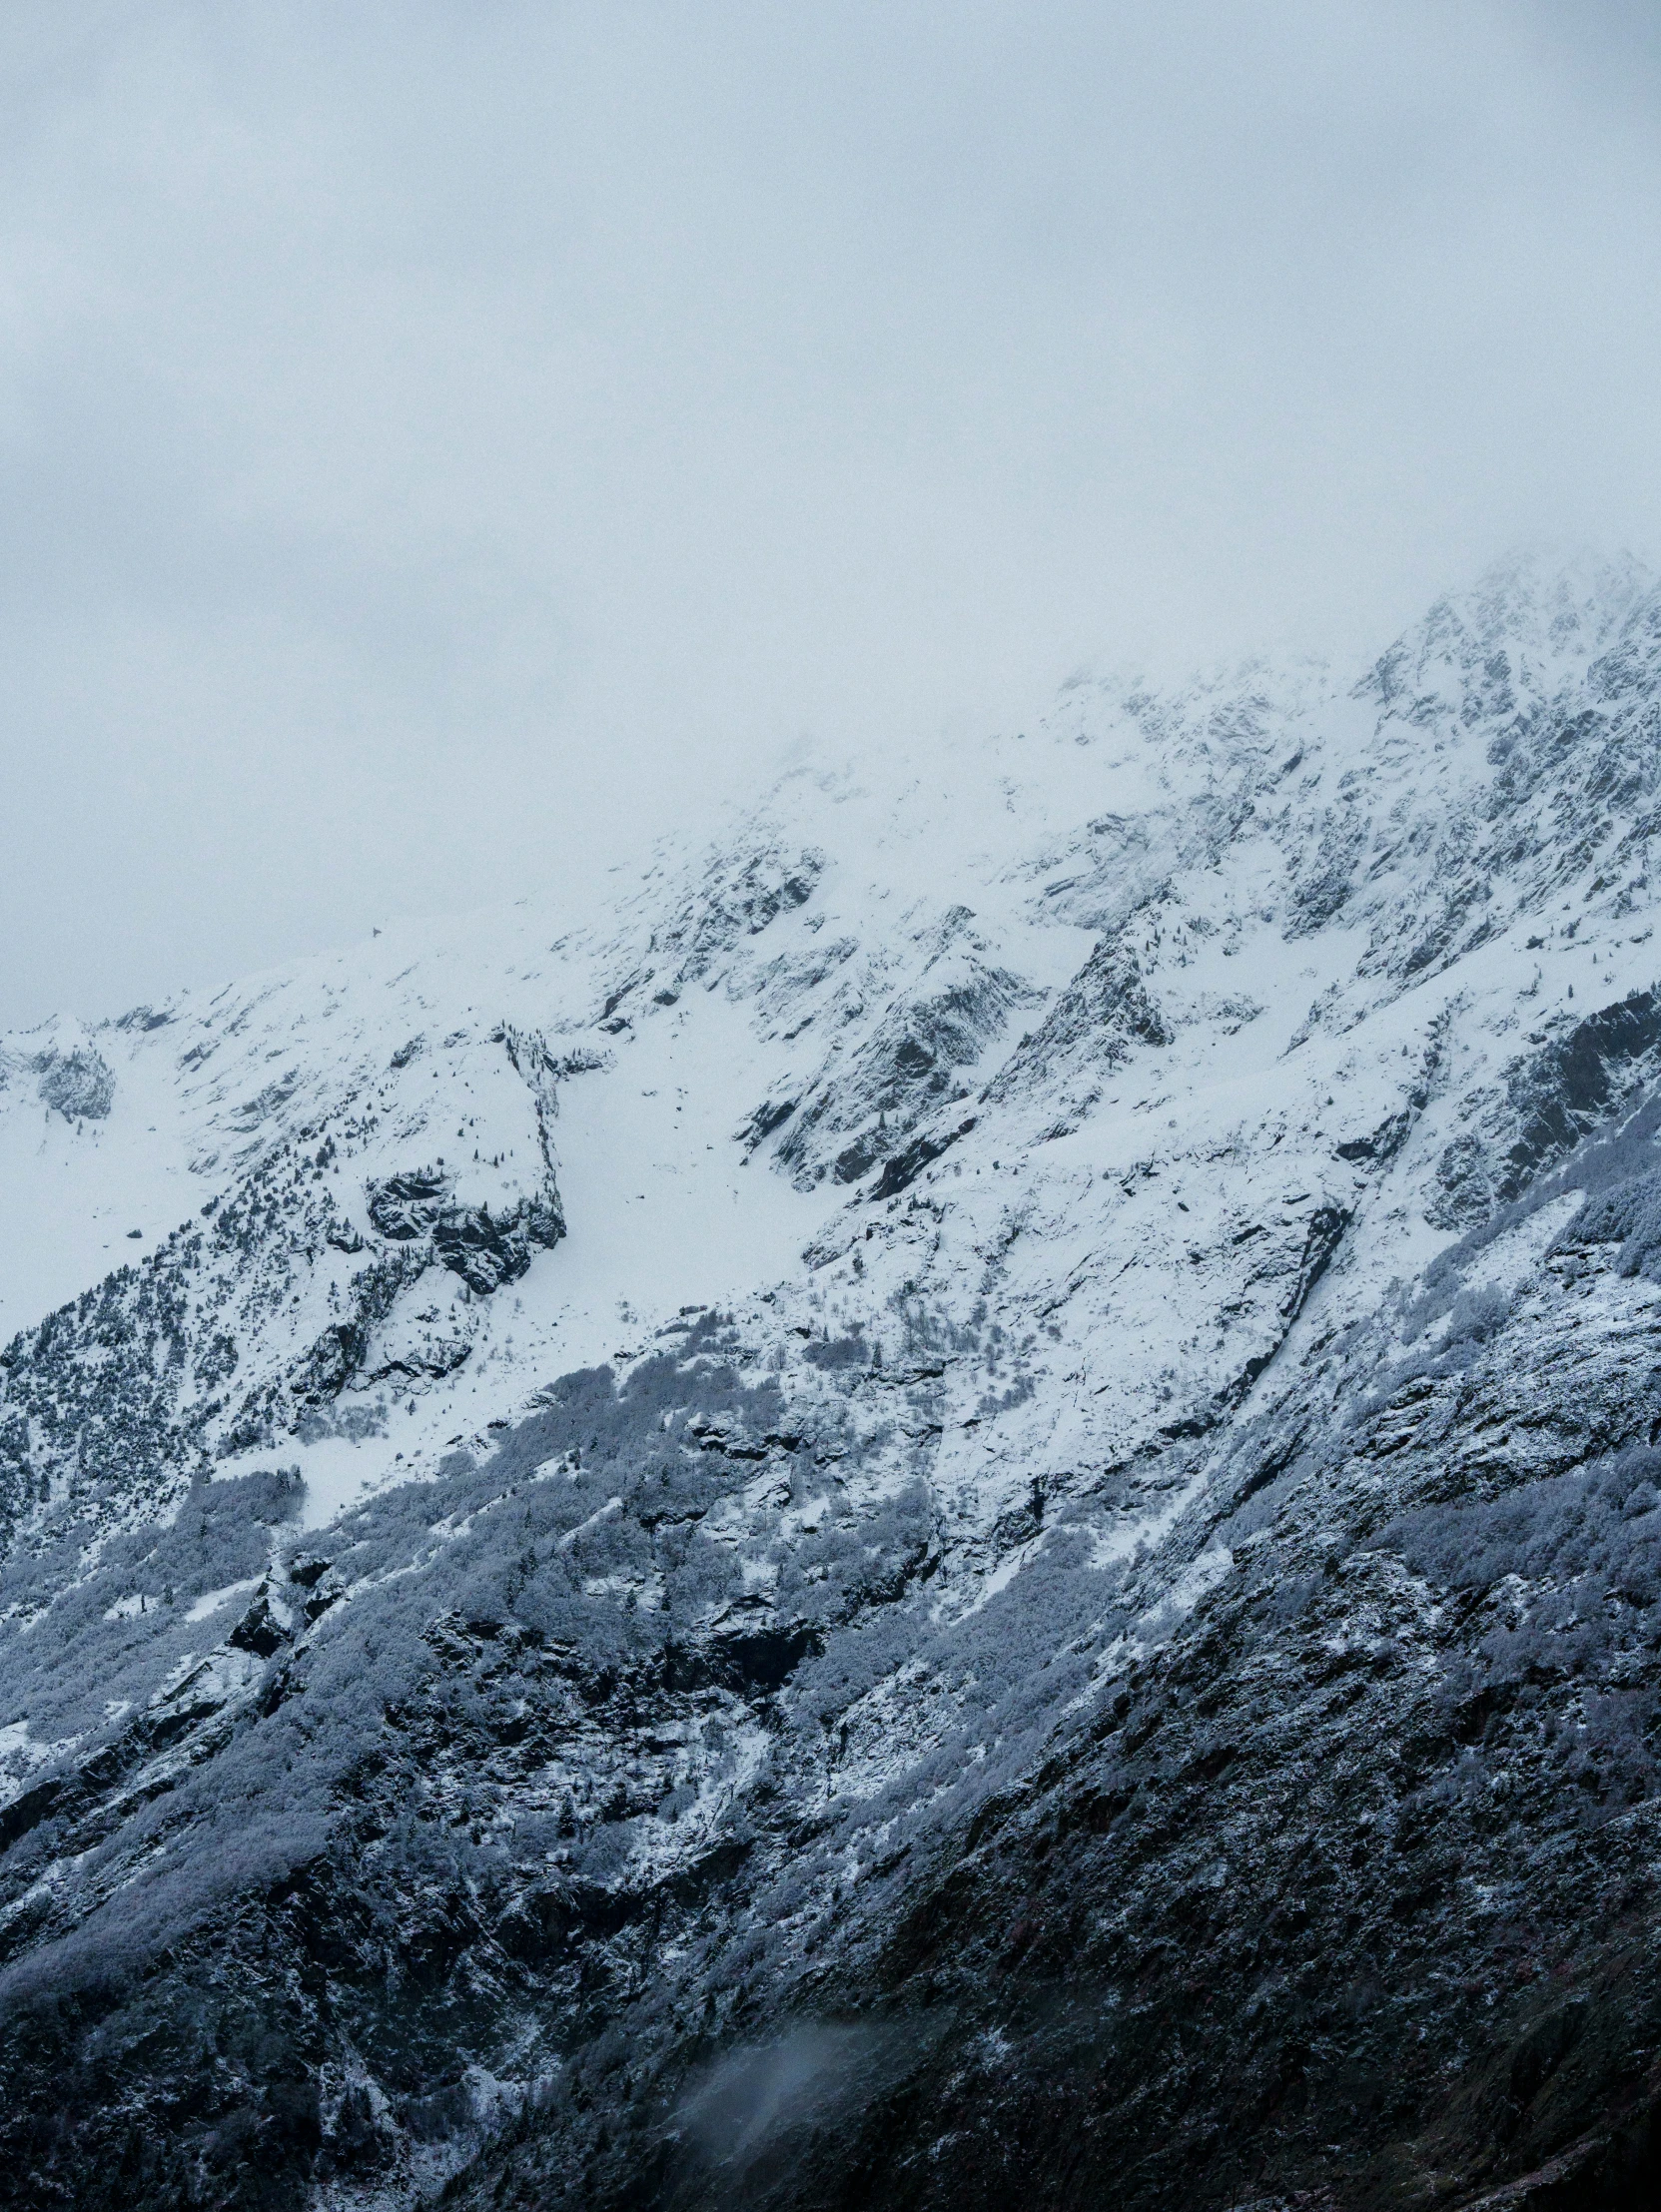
{"type": "Point", "coordinates": [738, 2107]}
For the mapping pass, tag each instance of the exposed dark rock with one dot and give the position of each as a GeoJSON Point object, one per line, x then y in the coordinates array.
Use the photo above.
{"type": "Point", "coordinates": [259, 1631]}
{"type": "Point", "coordinates": [409, 1204]}
{"type": "Point", "coordinates": [863, 1111]}
{"type": "Point", "coordinates": [740, 899]}
{"type": "Point", "coordinates": [1552, 1097]}
{"type": "Point", "coordinates": [921, 1151]}
{"type": "Point", "coordinates": [79, 1084]}
{"type": "Point", "coordinates": [1382, 1143]}
{"type": "Point", "coordinates": [859, 1157]}
{"type": "Point", "coordinates": [768, 1116]}
{"type": "Point", "coordinates": [485, 1250]}
{"type": "Point", "coordinates": [1322, 1238]}
{"type": "Point", "coordinates": [1569, 1087]}
{"type": "Point", "coordinates": [1324, 874]}
{"type": "Point", "coordinates": [1104, 1012]}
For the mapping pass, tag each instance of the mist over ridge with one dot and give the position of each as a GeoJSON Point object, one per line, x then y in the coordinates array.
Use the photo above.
{"type": "Point", "coordinates": [440, 451]}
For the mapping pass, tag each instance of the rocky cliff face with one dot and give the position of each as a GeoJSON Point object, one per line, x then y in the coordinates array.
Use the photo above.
{"type": "Point", "coordinates": [965, 1509]}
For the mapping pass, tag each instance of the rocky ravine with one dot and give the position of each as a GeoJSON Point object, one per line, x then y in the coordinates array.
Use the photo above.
{"type": "Point", "coordinates": [965, 1509]}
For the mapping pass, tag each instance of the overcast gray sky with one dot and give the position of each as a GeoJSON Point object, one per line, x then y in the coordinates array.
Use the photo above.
{"type": "Point", "coordinates": [441, 441]}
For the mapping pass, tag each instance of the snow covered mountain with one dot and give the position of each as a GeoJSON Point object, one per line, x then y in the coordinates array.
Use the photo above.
{"type": "Point", "coordinates": [959, 1509]}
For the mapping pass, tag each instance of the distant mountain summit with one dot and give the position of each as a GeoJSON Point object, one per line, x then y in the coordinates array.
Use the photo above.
{"type": "Point", "coordinates": [963, 1508]}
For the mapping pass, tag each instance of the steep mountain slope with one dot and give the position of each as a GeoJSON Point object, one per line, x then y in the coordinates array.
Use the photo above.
{"type": "Point", "coordinates": [962, 1506]}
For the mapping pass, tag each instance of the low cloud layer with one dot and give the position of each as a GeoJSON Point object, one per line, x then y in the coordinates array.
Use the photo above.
{"type": "Point", "coordinates": [442, 445]}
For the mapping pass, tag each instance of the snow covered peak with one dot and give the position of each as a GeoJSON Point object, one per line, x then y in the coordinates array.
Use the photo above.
{"type": "Point", "coordinates": [1545, 620]}
{"type": "Point", "coordinates": [973, 999]}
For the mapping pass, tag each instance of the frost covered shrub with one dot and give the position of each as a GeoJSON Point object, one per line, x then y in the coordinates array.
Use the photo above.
{"type": "Point", "coordinates": [1262, 1507]}
{"type": "Point", "coordinates": [843, 1567]}
{"type": "Point", "coordinates": [605, 1852]}
{"type": "Point", "coordinates": [1565, 1527]}
{"type": "Point", "coordinates": [222, 1534]}
{"type": "Point", "coordinates": [1476, 1315]}
{"type": "Point", "coordinates": [701, 1576]}
{"type": "Point", "coordinates": [1631, 1216]}
{"type": "Point", "coordinates": [64, 1662]}
{"type": "Point", "coordinates": [566, 1578]}
{"type": "Point", "coordinates": [1582, 1556]}
{"type": "Point", "coordinates": [830, 1353]}
{"type": "Point", "coordinates": [1472, 1315]}
{"type": "Point", "coordinates": [1004, 1669]}
{"type": "Point", "coordinates": [1547, 1686]}
{"type": "Point", "coordinates": [852, 1664]}
{"type": "Point", "coordinates": [987, 1688]}
{"type": "Point", "coordinates": [1290, 1599]}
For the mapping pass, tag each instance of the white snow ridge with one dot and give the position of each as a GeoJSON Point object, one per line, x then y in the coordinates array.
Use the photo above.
{"type": "Point", "coordinates": [962, 1509]}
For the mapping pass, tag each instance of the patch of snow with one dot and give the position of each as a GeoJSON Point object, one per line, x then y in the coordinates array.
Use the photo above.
{"type": "Point", "coordinates": [213, 1600]}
